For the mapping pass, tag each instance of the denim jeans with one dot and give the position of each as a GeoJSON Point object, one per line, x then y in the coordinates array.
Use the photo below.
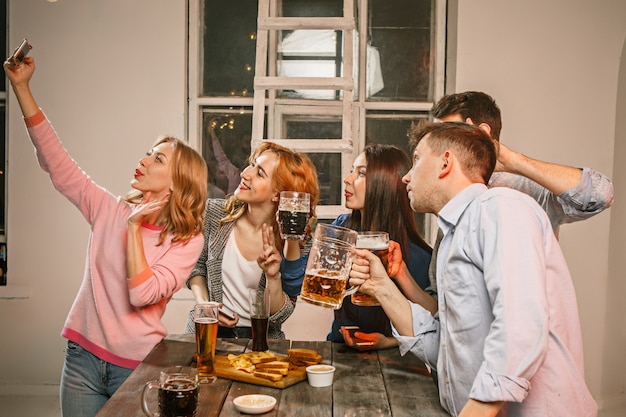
{"type": "Point", "coordinates": [87, 382]}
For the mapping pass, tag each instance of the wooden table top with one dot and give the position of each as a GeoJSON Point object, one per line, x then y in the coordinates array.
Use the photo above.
{"type": "Point", "coordinates": [379, 379]}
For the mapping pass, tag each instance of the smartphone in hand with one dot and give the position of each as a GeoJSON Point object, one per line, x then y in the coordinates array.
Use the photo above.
{"type": "Point", "coordinates": [357, 341]}
{"type": "Point", "coordinates": [225, 314]}
{"type": "Point", "coordinates": [17, 57]}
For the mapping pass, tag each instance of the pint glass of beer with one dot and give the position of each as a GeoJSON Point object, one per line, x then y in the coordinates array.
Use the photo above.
{"type": "Point", "coordinates": [328, 267]}
{"type": "Point", "coordinates": [205, 317]}
{"type": "Point", "coordinates": [293, 214]}
{"type": "Point", "coordinates": [259, 318]}
{"type": "Point", "coordinates": [378, 244]}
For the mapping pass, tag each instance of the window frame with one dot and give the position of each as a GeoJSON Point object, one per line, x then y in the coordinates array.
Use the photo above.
{"type": "Point", "coordinates": [361, 105]}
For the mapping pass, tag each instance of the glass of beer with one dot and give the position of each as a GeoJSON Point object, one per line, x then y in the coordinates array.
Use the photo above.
{"type": "Point", "coordinates": [378, 244]}
{"type": "Point", "coordinates": [178, 392]}
{"type": "Point", "coordinates": [293, 214]}
{"type": "Point", "coordinates": [259, 318]}
{"type": "Point", "coordinates": [328, 267]}
{"type": "Point", "coordinates": [205, 318]}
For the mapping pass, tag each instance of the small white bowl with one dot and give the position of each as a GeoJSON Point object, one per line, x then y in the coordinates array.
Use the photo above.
{"type": "Point", "coordinates": [320, 375]}
{"type": "Point", "coordinates": [254, 403]}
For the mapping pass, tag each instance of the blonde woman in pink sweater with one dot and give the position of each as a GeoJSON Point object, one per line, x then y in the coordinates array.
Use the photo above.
{"type": "Point", "coordinates": [141, 249]}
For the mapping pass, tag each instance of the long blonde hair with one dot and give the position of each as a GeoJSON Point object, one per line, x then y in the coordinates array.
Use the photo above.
{"type": "Point", "coordinates": [182, 215]}
{"type": "Point", "coordinates": [294, 172]}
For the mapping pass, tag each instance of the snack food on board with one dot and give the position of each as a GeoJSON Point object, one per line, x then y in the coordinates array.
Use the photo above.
{"type": "Point", "coordinates": [303, 357]}
{"type": "Point", "coordinates": [270, 366]}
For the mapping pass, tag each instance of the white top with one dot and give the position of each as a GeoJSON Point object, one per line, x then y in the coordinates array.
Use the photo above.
{"type": "Point", "coordinates": [238, 276]}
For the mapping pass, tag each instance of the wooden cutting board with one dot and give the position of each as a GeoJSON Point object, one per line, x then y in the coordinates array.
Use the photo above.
{"type": "Point", "coordinates": [223, 369]}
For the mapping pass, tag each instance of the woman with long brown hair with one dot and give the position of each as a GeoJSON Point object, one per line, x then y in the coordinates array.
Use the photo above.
{"type": "Point", "coordinates": [379, 202]}
{"type": "Point", "coordinates": [243, 248]}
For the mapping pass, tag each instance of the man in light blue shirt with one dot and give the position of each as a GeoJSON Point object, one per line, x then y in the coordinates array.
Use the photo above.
{"type": "Point", "coordinates": [506, 338]}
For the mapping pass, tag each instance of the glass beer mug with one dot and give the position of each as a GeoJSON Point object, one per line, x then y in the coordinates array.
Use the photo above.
{"type": "Point", "coordinates": [328, 267]}
{"type": "Point", "coordinates": [178, 392]}
{"type": "Point", "coordinates": [378, 244]}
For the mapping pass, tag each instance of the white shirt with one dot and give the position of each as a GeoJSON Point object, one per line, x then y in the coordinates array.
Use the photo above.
{"type": "Point", "coordinates": [239, 275]}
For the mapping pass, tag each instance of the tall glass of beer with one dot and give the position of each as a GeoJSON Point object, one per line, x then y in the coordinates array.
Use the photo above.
{"type": "Point", "coordinates": [378, 244]}
{"type": "Point", "coordinates": [259, 318]}
{"type": "Point", "coordinates": [205, 317]}
{"type": "Point", "coordinates": [328, 267]}
{"type": "Point", "coordinates": [293, 214]}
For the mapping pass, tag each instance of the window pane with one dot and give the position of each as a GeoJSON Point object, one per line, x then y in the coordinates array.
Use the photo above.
{"type": "Point", "coordinates": [310, 53]}
{"type": "Point", "coordinates": [229, 36]}
{"type": "Point", "coordinates": [329, 177]}
{"type": "Point", "coordinates": [303, 127]}
{"type": "Point", "coordinates": [226, 147]}
{"type": "Point", "coordinates": [400, 32]}
{"type": "Point", "coordinates": [391, 128]}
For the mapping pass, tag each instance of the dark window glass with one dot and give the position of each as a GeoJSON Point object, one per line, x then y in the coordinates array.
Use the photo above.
{"type": "Point", "coordinates": [403, 42]}
{"type": "Point", "coordinates": [229, 36]}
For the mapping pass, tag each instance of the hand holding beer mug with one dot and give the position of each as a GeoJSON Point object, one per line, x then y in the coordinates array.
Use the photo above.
{"type": "Point", "coordinates": [259, 318]}
{"type": "Point", "coordinates": [293, 214]}
{"type": "Point", "coordinates": [205, 318]}
{"type": "Point", "coordinates": [378, 244]}
{"type": "Point", "coordinates": [328, 267]}
{"type": "Point", "coordinates": [178, 392]}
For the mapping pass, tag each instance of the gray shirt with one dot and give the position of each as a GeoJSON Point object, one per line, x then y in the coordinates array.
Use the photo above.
{"type": "Point", "coordinates": [507, 327]}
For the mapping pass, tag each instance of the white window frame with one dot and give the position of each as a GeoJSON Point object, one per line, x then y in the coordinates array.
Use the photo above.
{"type": "Point", "coordinates": [332, 108]}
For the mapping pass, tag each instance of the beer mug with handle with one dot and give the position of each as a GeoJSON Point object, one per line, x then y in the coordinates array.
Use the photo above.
{"type": "Point", "coordinates": [378, 244]}
{"type": "Point", "coordinates": [328, 267]}
{"type": "Point", "coordinates": [178, 392]}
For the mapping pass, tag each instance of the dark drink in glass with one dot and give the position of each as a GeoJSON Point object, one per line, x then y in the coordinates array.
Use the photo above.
{"type": "Point", "coordinates": [293, 214]}
{"type": "Point", "coordinates": [259, 318]}
{"type": "Point", "coordinates": [178, 399]}
{"type": "Point", "coordinates": [260, 326]}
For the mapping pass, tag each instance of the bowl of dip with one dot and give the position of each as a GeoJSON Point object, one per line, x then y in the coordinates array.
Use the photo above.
{"type": "Point", "coordinates": [320, 375]}
{"type": "Point", "coordinates": [254, 403]}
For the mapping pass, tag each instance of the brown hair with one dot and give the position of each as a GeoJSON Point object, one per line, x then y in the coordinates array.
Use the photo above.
{"type": "Point", "coordinates": [475, 148]}
{"type": "Point", "coordinates": [478, 106]}
{"type": "Point", "coordinates": [182, 215]}
{"type": "Point", "coordinates": [294, 171]}
{"type": "Point", "coordinates": [387, 206]}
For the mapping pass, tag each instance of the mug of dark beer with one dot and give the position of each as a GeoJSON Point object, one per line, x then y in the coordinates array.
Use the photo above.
{"type": "Point", "coordinates": [378, 244]}
{"type": "Point", "coordinates": [178, 392]}
{"type": "Point", "coordinates": [328, 266]}
{"type": "Point", "coordinates": [293, 214]}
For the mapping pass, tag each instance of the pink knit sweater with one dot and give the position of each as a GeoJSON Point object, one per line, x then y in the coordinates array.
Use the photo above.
{"type": "Point", "coordinates": [116, 318]}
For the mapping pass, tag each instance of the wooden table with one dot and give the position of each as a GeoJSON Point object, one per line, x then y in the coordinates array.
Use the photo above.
{"type": "Point", "coordinates": [380, 379]}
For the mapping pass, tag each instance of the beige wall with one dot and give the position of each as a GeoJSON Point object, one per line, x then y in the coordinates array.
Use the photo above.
{"type": "Point", "coordinates": [111, 77]}
{"type": "Point", "coordinates": [553, 67]}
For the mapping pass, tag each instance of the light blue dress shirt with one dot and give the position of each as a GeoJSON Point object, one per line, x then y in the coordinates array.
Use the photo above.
{"type": "Point", "coordinates": [507, 328]}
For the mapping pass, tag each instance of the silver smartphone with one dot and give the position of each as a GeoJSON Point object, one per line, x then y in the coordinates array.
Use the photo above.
{"type": "Point", "coordinates": [17, 57]}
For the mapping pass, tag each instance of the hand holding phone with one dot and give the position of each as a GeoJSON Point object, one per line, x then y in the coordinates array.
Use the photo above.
{"type": "Point", "coordinates": [358, 342]}
{"type": "Point", "coordinates": [227, 315]}
{"type": "Point", "coordinates": [17, 57]}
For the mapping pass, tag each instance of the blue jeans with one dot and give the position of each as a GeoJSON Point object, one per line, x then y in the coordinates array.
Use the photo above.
{"type": "Point", "coordinates": [87, 382]}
